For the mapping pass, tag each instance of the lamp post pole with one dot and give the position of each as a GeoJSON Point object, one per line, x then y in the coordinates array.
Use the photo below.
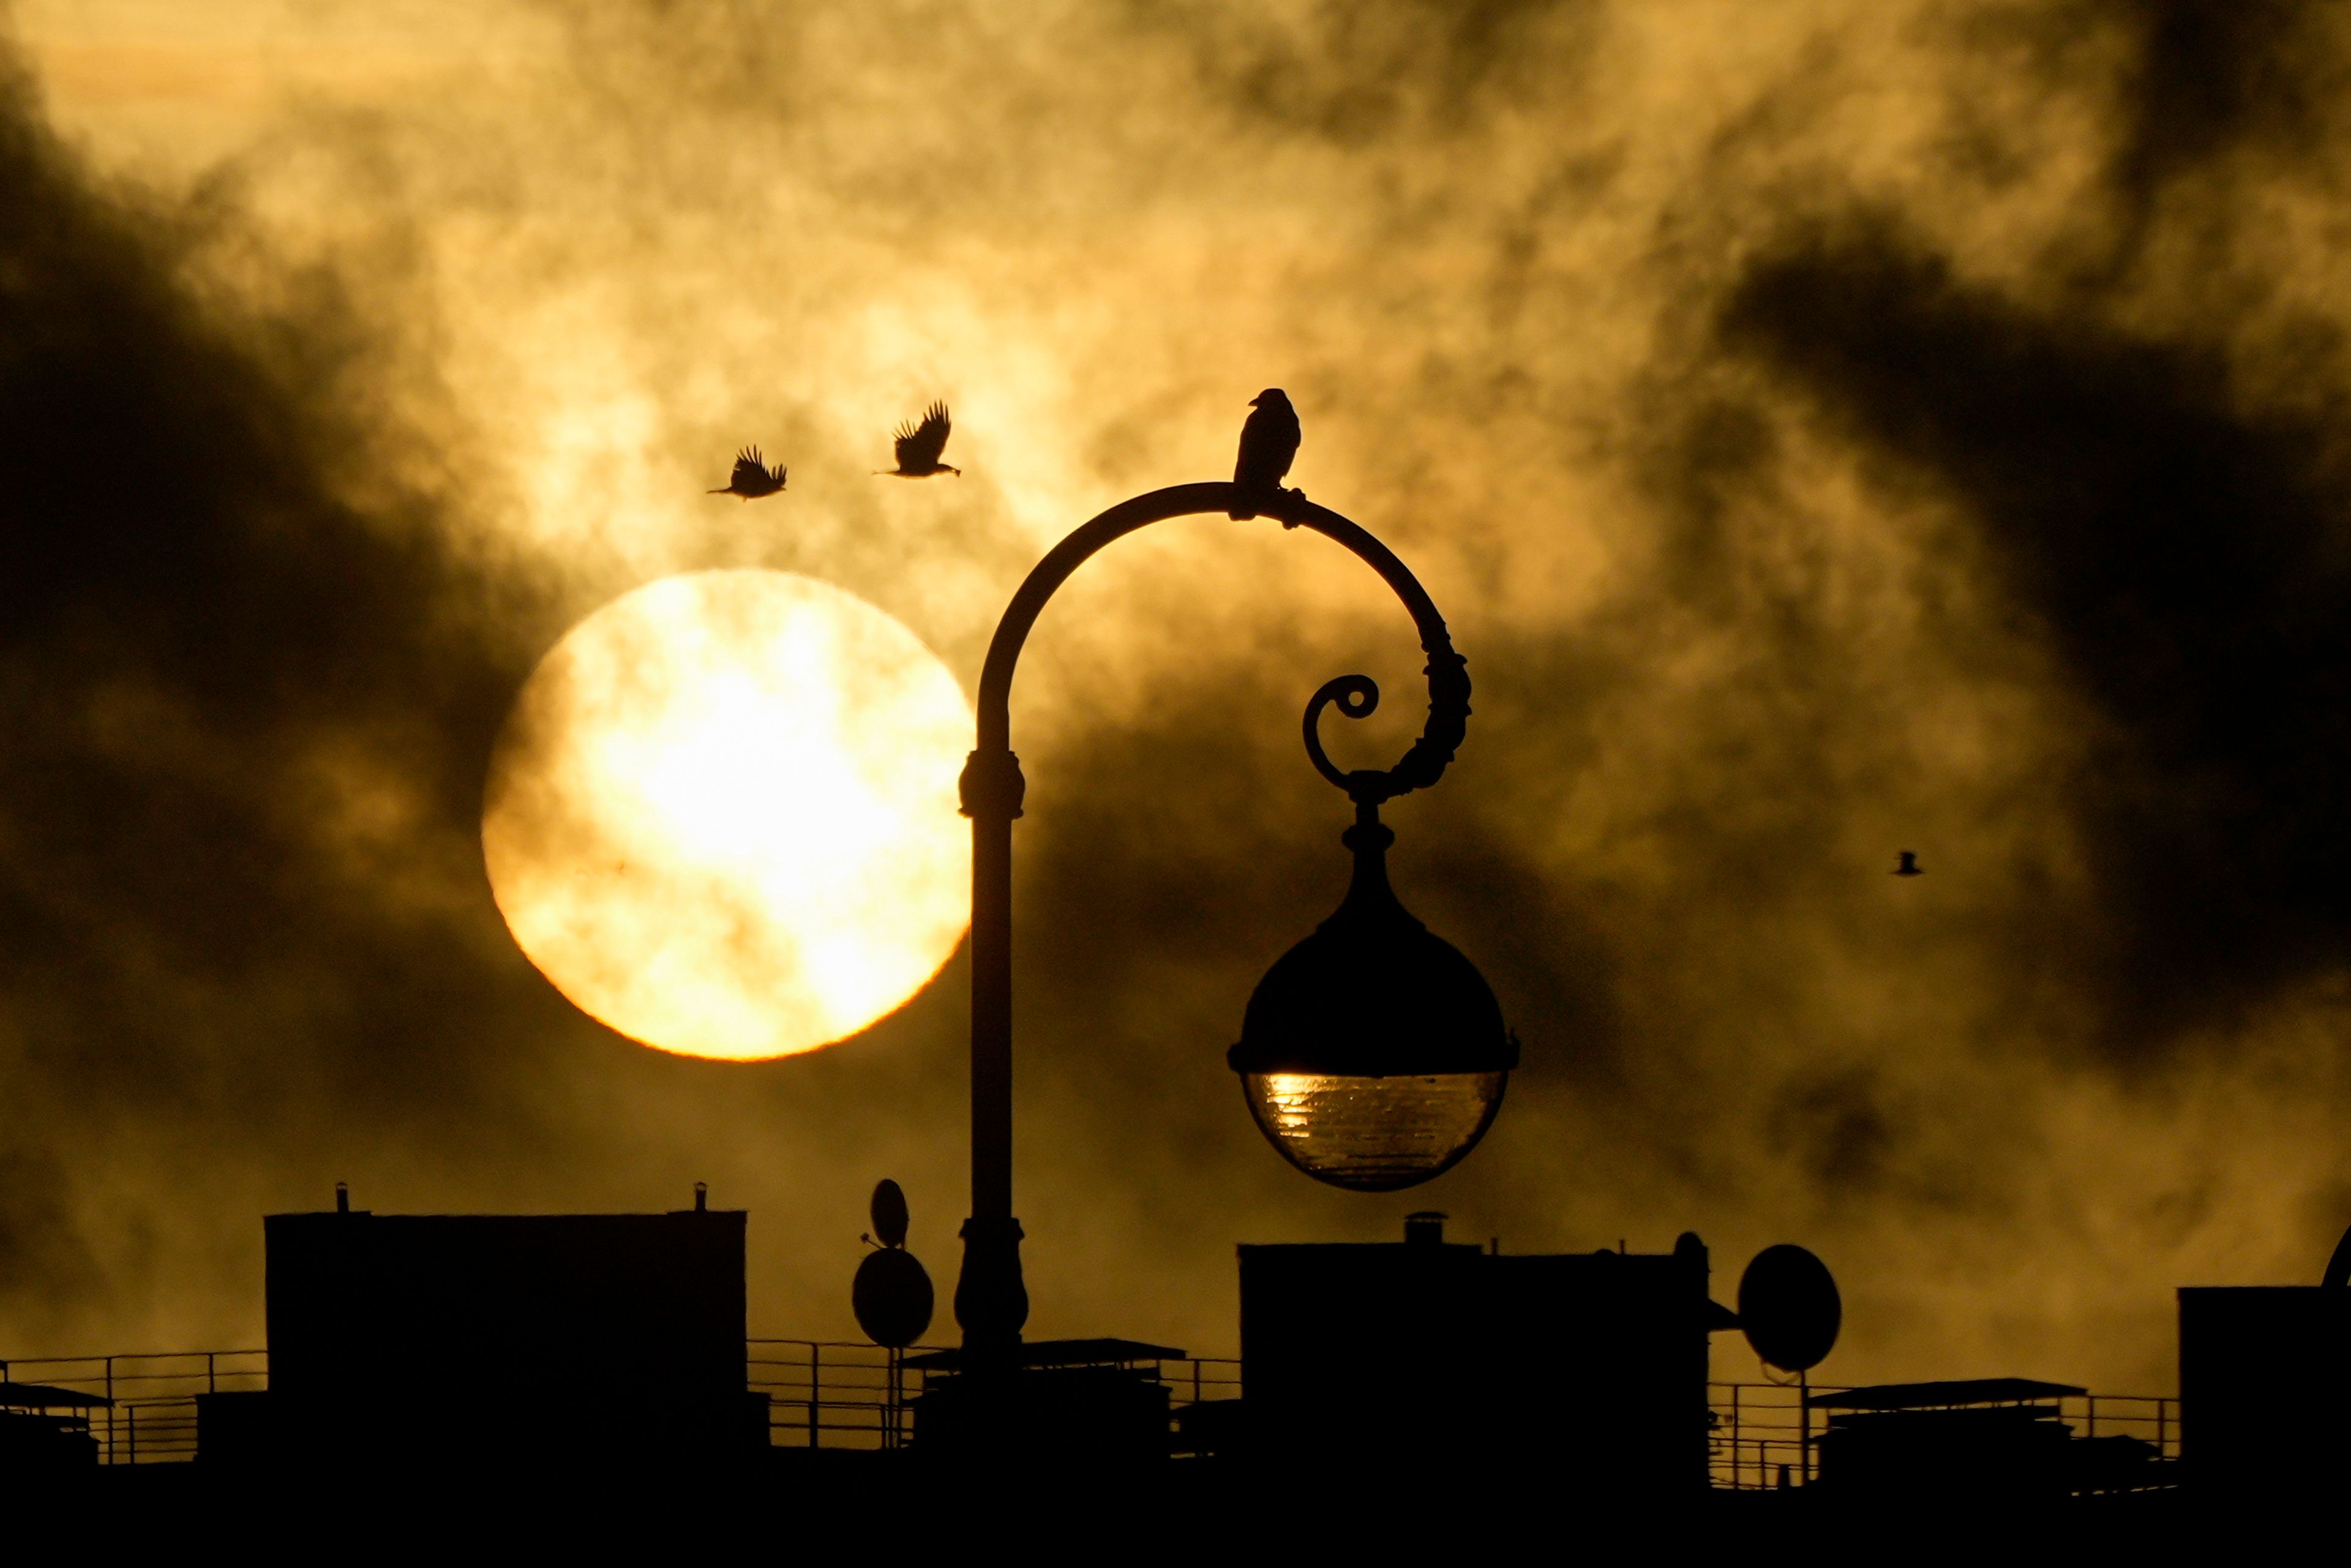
{"type": "Point", "coordinates": [991, 1302]}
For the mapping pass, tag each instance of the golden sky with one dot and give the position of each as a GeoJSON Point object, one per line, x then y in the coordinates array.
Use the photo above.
{"type": "Point", "coordinates": [1829, 428]}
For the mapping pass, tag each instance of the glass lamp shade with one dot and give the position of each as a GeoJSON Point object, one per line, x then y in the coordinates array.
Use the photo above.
{"type": "Point", "coordinates": [1373, 1135]}
{"type": "Point", "coordinates": [1373, 1055]}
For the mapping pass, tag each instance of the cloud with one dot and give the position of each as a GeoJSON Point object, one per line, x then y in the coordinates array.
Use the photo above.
{"type": "Point", "coordinates": [1830, 430]}
{"type": "Point", "coordinates": [2183, 554]}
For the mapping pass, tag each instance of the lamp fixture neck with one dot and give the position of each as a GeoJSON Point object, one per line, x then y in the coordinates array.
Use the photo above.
{"type": "Point", "coordinates": [1370, 896]}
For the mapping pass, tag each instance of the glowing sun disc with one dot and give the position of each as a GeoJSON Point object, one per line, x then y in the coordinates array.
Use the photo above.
{"type": "Point", "coordinates": [721, 817]}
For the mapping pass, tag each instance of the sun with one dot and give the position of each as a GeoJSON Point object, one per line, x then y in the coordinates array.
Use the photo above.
{"type": "Point", "coordinates": [721, 817]}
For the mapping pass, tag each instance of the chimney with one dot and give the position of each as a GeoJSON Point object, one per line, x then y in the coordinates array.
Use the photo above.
{"type": "Point", "coordinates": [1426, 1228]}
{"type": "Point", "coordinates": [342, 1198]}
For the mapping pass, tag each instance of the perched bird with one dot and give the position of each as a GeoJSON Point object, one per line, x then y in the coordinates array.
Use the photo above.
{"type": "Point", "coordinates": [1909, 865]}
{"type": "Point", "coordinates": [753, 478]}
{"type": "Point", "coordinates": [1268, 441]}
{"type": "Point", "coordinates": [919, 446]}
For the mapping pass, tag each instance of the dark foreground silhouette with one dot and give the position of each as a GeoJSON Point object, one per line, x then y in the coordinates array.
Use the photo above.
{"type": "Point", "coordinates": [574, 1372]}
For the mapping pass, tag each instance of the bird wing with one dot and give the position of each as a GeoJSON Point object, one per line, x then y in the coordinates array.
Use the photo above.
{"type": "Point", "coordinates": [919, 445]}
{"type": "Point", "coordinates": [750, 470]}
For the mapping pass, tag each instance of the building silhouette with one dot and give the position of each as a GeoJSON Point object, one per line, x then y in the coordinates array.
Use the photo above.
{"type": "Point", "coordinates": [507, 1345]}
{"type": "Point", "coordinates": [616, 1335]}
{"type": "Point", "coordinates": [1413, 1351]}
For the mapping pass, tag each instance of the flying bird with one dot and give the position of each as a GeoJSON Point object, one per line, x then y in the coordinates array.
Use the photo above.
{"type": "Point", "coordinates": [919, 446]}
{"type": "Point", "coordinates": [753, 478]}
{"type": "Point", "coordinates": [1268, 442]}
{"type": "Point", "coordinates": [1908, 865]}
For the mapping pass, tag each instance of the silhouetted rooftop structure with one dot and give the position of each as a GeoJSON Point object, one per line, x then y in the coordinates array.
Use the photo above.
{"type": "Point", "coordinates": [1078, 1401]}
{"type": "Point", "coordinates": [443, 1347]}
{"type": "Point", "coordinates": [594, 1333]}
{"type": "Point", "coordinates": [1060, 1352]}
{"type": "Point", "coordinates": [1416, 1350]}
{"type": "Point", "coordinates": [44, 1396]}
{"type": "Point", "coordinates": [35, 1436]}
{"type": "Point", "coordinates": [2263, 1370]}
{"type": "Point", "coordinates": [2000, 1440]}
{"type": "Point", "coordinates": [1945, 1396]}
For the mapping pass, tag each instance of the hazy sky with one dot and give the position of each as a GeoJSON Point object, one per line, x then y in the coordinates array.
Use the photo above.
{"type": "Point", "coordinates": [1829, 429]}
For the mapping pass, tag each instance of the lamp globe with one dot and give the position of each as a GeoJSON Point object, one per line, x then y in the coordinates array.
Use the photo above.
{"type": "Point", "coordinates": [1373, 1055]}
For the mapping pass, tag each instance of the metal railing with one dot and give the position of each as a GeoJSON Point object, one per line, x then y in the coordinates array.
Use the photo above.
{"type": "Point", "coordinates": [829, 1393]}
{"type": "Point", "coordinates": [153, 1418]}
{"type": "Point", "coordinates": [836, 1393]}
{"type": "Point", "coordinates": [840, 1394]}
{"type": "Point", "coordinates": [833, 1394]}
{"type": "Point", "coordinates": [1757, 1431]}
{"type": "Point", "coordinates": [1199, 1379]}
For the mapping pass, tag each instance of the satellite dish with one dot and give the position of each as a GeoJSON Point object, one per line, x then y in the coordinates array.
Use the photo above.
{"type": "Point", "coordinates": [889, 1210]}
{"type": "Point", "coordinates": [892, 1295]}
{"type": "Point", "coordinates": [891, 1298]}
{"type": "Point", "coordinates": [2338, 1268]}
{"type": "Point", "coordinates": [1788, 1303]}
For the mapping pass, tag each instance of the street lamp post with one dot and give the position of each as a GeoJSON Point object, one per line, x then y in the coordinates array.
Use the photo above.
{"type": "Point", "coordinates": [1369, 935]}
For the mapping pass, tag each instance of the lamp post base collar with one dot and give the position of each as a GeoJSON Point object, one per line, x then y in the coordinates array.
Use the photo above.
{"type": "Point", "coordinates": [991, 1300]}
{"type": "Point", "coordinates": [992, 786]}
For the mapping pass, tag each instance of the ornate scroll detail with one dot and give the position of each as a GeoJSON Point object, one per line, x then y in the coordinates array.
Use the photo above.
{"type": "Point", "coordinates": [1358, 696]}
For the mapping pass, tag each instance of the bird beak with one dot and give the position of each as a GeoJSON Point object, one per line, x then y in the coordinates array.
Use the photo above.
{"type": "Point", "coordinates": [1255, 400]}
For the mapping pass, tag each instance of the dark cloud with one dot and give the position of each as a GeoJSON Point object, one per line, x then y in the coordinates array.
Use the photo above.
{"type": "Point", "coordinates": [2194, 98]}
{"type": "Point", "coordinates": [1837, 1124]}
{"type": "Point", "coordinates": [251, 674]}
{"type": "Point", "coordinates": [2204, 78]}
{"type": "Point", "coordinates": [194, 628]}
{"type": "Point", "coordinates": [244, 712]}
{"type": "Point", "coordinates": [2184, 554]}
{"type": "Point", "coordinates": [1794, 492]}
{"type": "Point", "coordinates": [41, 1243]}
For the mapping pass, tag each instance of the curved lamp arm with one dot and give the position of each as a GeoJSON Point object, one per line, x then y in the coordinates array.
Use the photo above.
{"type": "Point", "coordinates": [991, 787]}
{"type": "Point", "coordinates": [991, 1302]}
